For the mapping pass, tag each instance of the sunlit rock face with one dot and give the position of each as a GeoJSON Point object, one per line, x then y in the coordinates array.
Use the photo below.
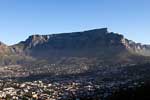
{"type": "Point", "coordinates": [3, 48]}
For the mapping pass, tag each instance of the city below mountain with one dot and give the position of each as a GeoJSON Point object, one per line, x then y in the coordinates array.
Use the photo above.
{"type": "Point", "coordinates": [70, 53]}
{"type": "Point", "coordinates": [89, 65]}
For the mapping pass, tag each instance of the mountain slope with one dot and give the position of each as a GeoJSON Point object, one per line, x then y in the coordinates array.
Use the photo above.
{"type": "Point", "coordinates": [71, 53]}
{"type": "Point", "coordinates": [92, 43]}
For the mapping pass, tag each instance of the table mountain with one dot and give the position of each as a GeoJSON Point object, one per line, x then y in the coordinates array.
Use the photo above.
{"type": "Point", "coordinates": [74, 52]}
{"type": "Point", "coordinates": [90, 44]}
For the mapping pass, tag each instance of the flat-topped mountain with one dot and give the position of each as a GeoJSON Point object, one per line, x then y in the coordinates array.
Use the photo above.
{"type": "Point", "coordinates": [85, 39]}
{"type": "Point", "coordinates": [72, 44]}
{"type": "Point", "coordinates": [86, 43]}
{"type": "Point", "coordinates": [74, 52]}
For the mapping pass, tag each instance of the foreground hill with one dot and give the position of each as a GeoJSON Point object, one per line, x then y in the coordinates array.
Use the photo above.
{"type": "Point", "coordinates": [70, 53]}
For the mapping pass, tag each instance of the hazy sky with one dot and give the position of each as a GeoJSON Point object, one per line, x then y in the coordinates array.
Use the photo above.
{"type": "Point", "coordinates": [21, 18]}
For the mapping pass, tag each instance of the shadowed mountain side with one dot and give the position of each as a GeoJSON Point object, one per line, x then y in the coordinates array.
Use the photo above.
{"type": "Point", "coordinates": [93, 43]}
{"type": "Point", "coordinates": [76, 52]}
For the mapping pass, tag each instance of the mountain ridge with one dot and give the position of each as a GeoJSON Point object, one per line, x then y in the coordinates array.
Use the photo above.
{"type": "Point", "coordinates": [72, 53]}
{"type": "Point", "coordinates": [34, 40]}
{"type": "Point", "coordinates": [91, 39]}
{"type": "Point", "coordinates": [46, 37]}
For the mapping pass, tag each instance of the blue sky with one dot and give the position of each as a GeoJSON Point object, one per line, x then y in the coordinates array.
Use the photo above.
{"type": "Point", "coordinates": [21, 18]}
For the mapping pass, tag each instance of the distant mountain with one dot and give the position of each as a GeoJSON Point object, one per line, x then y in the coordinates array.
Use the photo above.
{"type": "Point", "coordinates": [75, 52]}
{"type": "Point", "coordinates": [92, 43]}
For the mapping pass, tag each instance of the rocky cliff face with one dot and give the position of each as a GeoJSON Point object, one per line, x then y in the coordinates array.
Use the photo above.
{"type": "Point", "coordinates": [3, 48]}
{"type": "Point", "coordinates": [92, 44]}
{"type": "Point", "coordinates": [98, 39]}
{"type": "Point", "coordinates": [86, 39]}
{"type": "Point", "coordinates": [137, 48]}
{"type": "Point", "coordinates": [73, 52]}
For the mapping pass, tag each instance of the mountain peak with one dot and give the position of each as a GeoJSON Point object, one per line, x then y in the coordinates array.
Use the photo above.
{"type": "Point", "coordinates": [33, 40]}
{"type": "Point", "coordinates": [3, 48]}
{"type": "Point", "coordinates": [96, 39]}
{"type": "Point", "coordinates": [89, 38]}
{"type": "Point", "coordinates": [102, 30]}
{"type": "Point", "coordinates": [2, 44]}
